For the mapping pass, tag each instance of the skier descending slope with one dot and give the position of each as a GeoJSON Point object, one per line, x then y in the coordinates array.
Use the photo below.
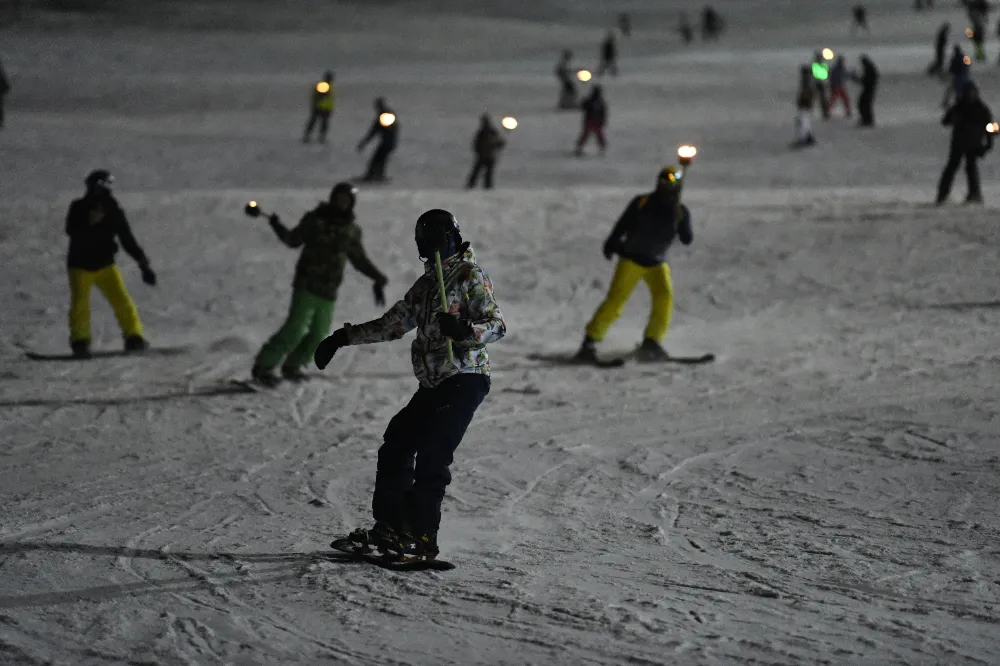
{"type": "Point", "coordinates": [453, 309]}
{"type": "Point", "coordinates": [330, 239]}
{"type": "Point", "coordinates": [641, 238]}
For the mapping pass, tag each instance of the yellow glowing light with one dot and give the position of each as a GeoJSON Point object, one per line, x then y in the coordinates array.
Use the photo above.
{"type": "Point", "coordinates": [584, 75]}
{"type": "Point", "coordinates": [322, 87]}
{"type": "Point", "coordinates": [687, 152]}
{"type": "Point", "coordinates": [993, 128]}
{"type": "Point", "coordinates": [827, 54]}
{"type": "Point", "coordinates": [967, 60]}
{"type": "Point", "coordinates": [386, 119]}
{"type": "Point", "coordinates": [509, 122]}
{"type": "Point", "coordinates": [970, 33]}
{"type": "Point", "coordinates": [252, 204]}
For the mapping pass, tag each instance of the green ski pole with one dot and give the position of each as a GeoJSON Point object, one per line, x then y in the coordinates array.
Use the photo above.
{"type": "Point", "coordinates": [444, 298]}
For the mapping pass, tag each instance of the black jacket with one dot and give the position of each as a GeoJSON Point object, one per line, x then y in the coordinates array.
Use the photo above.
{"type": "Point", "coordinates": [869, 76]}
{"type": "Point", "coordinates": [93, 223]}
{"type": "Point", "coordinates": [969, 121]}
{"type": "Point", "coordinates": [647, 228]}
{"type": "Point", "coordinates": [387, 135]}
{"type": "Point", "coordinates": [595, 110]}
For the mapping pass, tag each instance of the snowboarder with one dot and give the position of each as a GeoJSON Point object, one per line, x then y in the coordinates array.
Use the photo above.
{"type": "Point", "coordinates": [330, 238]}
{"type": "Point", "coordinates": [595, 116]}
{"type": "Point", "coordinates": [4, 89]}
{"type": "Point", "coordinates": [936, 68]}
{"type": "Point", "coordinates": [485, 145]}
{"type": "Point", "coordinates": [609, 56]}
{"type": "Point", "coordinates": [451, 364]}
{"type": "Point", "coordinates": [386, 127]}
{"type": "Point", "coordinates": [711, 24]}
{"type": "Point", "coordinates": [860, 14]}
{"type": "Point", "coordinates": [93, 224]}
{"type": "Point", "coordinates": [685, 28]}
{"type": "Point", "coordinates": [641, 238]}
{"type": "Point", "coordinates": [838, 86]}
{"type": "Point", "coordinates": [958, 68]}
{"type": "Point", "coordinates": [821, 74]}
{"type": "Point", "coordinates": [866, 100]}
{"type": "Point", "coordinates": [804, 106]}
{"type": "Point", "coordinates": [320, 107]}
{"type": "Point", "coordinates": [567, 87]}
{"type": "Point", "coordinates": [970, 141]}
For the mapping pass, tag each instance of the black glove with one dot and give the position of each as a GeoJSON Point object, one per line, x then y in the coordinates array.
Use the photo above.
{"type": "Point", "coordinates": [327, 348]}
{"type": "Point", "coordinates": [274, 220]}
{"type": "Point", "coordinates": [453, 327]}
{"type": "Point", "coordinates": [148, 276]}
{"type": "Point", "coordinates": [610, 247]}
{"type": "Point", "coordinates": [379, 289]}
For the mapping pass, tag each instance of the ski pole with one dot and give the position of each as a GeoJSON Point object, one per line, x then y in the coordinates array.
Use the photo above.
{"type": "Point", "coordinates": [444, 298]}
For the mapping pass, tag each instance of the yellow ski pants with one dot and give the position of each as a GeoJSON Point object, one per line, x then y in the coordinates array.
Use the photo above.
{"type": "Point", "coordinates": [627, 276]}
{"type": "Point", "coordinates": [109, 281]}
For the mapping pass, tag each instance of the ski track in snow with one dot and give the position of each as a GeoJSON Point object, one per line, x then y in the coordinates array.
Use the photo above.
{"type": "Point", "coordinates": [824, 493]}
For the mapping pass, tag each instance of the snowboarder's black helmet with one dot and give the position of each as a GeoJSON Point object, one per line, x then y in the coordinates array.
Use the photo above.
{"type": "Point", "coordinates": [669, 178]}
{"type": "Point", "coordinates": [99, 178]}
{"type": "Point", "coordinates": [437, 231]}
{"type": "Point", "coordinates": [345, 188]}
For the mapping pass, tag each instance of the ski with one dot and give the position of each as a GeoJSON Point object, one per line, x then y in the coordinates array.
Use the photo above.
{"type": "Point", "coordinates": [106, 353]}
{"type": "Point", "coordinates": [394, 565]}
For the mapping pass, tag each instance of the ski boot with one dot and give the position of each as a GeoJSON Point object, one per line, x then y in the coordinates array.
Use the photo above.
{"type": "Point", "coordinates": [366, 542]}
{"type": "Point", "coordinates": [587, 352]}
{"type": "Point", "coordinates": [650, 351]}
{"type": "Point", "coordinates": [136, 343]}
{"type": "Point", "coordinates": [294, 374]}
{"type": "Point", "coordinates": [265, 377]}
{"type": "Point", "coordinates": [81, 348]}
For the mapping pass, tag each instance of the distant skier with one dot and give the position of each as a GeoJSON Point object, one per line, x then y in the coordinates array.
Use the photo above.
{"type": "Point", "coordinates": [641, 238]}
{"type": "Point", "coordinates": [969, 141]}
{"type": "Point", "coordinates": [485, 145]}
{"type": "Point", "coordinates": [609, 55]}
{"type": "Point", "coordinates": [420, 442]}
{"type": "Point", "coordinates": [595, 117]}
{"type": "Point", "coordinates": [93, 224]}
{"type": "Point", "coordinates": [958, 69]}
{"type": "Point", "coordinates": [860, 14]}
{"type": "Point", "coordinates": [4, 89]}
{"type": "Point", "coordinates": [936, 68]}
{"type": "Point", "coordinates": [866, 100]}
{"type": "Point", "coordinates": [567, 87]}
{"type": "Point", "coordinates": [625, 23]}
{"type": "Point", "coordinates": [821, 75]}
{"type": "Point", "coordinates": [711, 24]}
{"type": "Point", "coordinates": [386, 128]}
{"type": "Point", "coordinates": [804, 106]}
{"type": "Point", "coordinates": [979, 36]}
{"type": "Point", "coordinates": [838, 86]}
{"type": "Point", "coordinates": [329, 238]}
{"type": "Point", "coordinates": [685, 28]}
{"type": "Point", "coordinates": [320, 108]}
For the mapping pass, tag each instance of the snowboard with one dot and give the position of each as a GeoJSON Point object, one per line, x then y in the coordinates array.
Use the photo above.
{"type": "Point", "coordinates": [570, 360]}
{"type": "Point", "coordinates": [107, 353]}
{"type": "Point", "coordinates": [683, 360]}
{"type": "Point", "coordinates": [413, 565]}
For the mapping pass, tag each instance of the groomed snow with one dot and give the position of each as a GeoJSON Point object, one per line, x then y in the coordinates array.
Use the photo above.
{"type": "Point", "coordinates": [825, 492]}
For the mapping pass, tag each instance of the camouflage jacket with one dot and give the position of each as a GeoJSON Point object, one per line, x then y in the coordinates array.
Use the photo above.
{"type": "Point", "coordinates": [470, 297]}
{"type": "Point", "coordinates": [329, 239]}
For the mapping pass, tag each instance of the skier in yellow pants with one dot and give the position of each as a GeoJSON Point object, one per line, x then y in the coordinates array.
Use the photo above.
{"type": "Point", "coordinates": [93, 223]}
{"type": "Point", "coordinates": [641, 238]}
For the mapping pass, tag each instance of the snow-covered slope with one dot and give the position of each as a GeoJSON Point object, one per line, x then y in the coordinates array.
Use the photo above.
{"type": "Point", "coordinates": [826, 492]}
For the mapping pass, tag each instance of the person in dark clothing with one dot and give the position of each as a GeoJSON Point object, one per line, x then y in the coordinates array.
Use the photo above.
{"type": "Point", "coordinates": [609, 56]}
{"type": "Point", "coordinates": [711, 24]}
{"type": "Point", "coordinates": [4, 89]}
{"type": "Point", "coordinates": [860, 14]}
{"type": "Point", "coordinates": [93, 224]}
{"type": "Point", "coordinates": [979, 36]}
{"type": "Point", "coordinates": [804, 105]}
{"type": "Point", "coordinates": [936, 68]}
{"type": "Point", "coordinates": [485, 145]}
{"type": "Point", "coordinates": [386, 127]}
{"type": "Point", "coordinates": [970, 140]}
{"type": "Point", "coordinates": [567, 87]}
{"type": "Point", "coordinates": [452, 366]}
{"type": "Point", "coordinates": [329, 238]}
{"type": "Point", "coordinates": [320, 108]}
{"type": "Point", "coordinates": [958, 69]}
{"type": "Point", "coordinates": [625, 23]}
{"type": "Point", "coordinates": [866, 100]}
{"type": "Point", "coordinates": [838, 86]}
{"type": "Point", "coordinates": [821, 76]}
{"type": "Point", "coordinates": [595, 116]}
{"type": "Point", "coordinates": [641, 238]}
{"type": "Point", "coordinates": [685, 28]}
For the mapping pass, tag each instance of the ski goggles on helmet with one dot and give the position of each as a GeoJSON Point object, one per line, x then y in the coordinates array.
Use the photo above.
{"type": "Point", "coordinates": [670, 177]}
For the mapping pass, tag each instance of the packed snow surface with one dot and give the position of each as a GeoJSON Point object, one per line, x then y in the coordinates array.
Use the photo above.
{"type": "Point", "coordinates": [825, 492]}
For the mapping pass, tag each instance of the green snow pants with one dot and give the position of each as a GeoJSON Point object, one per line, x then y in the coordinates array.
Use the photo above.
{"type": "Point", "coordinates": [307, 325]}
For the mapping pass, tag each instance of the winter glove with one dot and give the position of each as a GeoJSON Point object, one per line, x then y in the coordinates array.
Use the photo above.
{"type": "Point", "coordinates": [610, 247]}
{"type": "Point", "coordinates": [453, 327]}
{"type": "Point", "coordinates": [327, 348]}
{"type": "Point", "coordinates": [148, 276]}
{"type": "Point", "coordinates": [274, 220]}
{"type": "Point", "coordinates": [379, 289]}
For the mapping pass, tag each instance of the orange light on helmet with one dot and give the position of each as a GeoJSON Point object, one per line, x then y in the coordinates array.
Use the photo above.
{"type": "Point", "coordinates": [584, 75]}
{"type": "Point", "coordinates": [322, 87]}
{"type": "Point", "coordinates": [386, 119]}
{"type": "Point", "coordinates": [827, 54]}
{"type": "Point", "coordinates": [509, 122]}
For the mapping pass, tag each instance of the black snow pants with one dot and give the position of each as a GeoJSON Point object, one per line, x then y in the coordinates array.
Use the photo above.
{"type": "Point", "coordinates": [487, 167]}
{"type": "Point", "coordinates": [865, 110]}
{"type": "Point", "coordinates": [955, 157]}
{"type": "Point", "coordinates": [323, 117]}
{"type": "Point", "coordinates": [376, 166]}
{"type": "Point", "coordinates": [418, 446]}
